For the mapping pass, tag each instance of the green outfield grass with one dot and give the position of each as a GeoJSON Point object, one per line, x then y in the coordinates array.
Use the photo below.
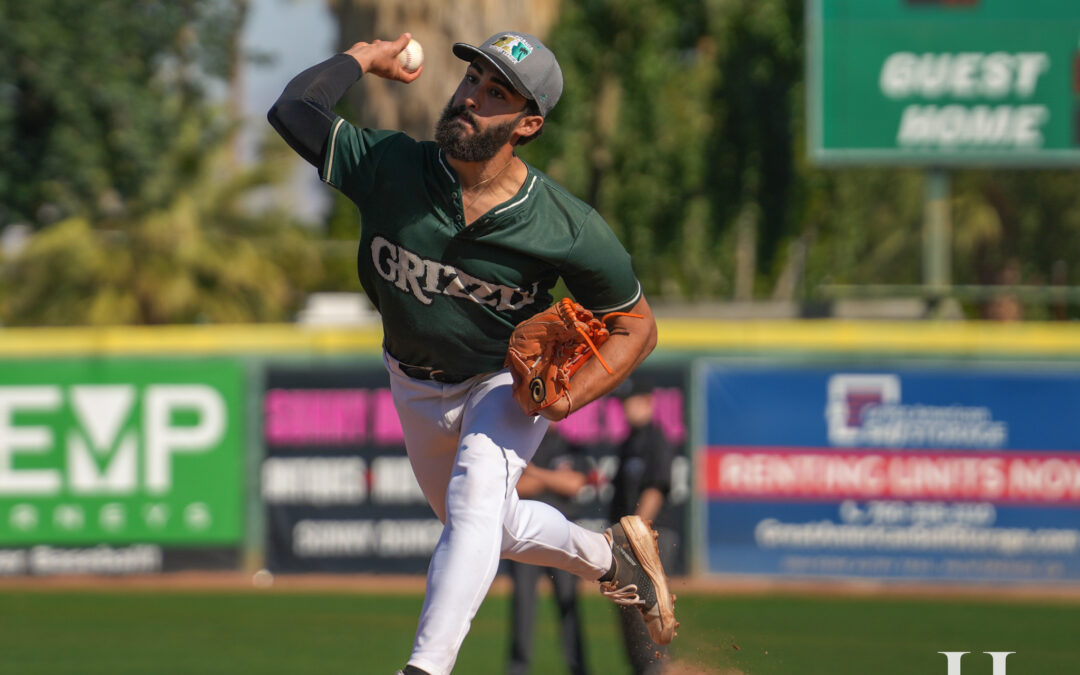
{"type": "Point", "coordinates": [188, 632]}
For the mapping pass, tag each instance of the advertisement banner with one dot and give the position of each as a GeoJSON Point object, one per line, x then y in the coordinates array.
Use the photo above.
{"type": "Point", "coordinates": [906, 472]}
{"type": "Point", "coordinates": [945, 83]}
{"type": "Point", "coordinates": [339, 489]}
{"type": "Point", "coordinates": [121, 451]}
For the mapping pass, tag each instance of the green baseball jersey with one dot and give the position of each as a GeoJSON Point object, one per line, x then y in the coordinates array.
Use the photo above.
{"type": "Point", "coordinates": [450, 295]}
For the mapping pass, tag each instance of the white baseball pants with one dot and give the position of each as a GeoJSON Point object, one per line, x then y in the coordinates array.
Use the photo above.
{"type": "Point", "coordinates": [468, 444]}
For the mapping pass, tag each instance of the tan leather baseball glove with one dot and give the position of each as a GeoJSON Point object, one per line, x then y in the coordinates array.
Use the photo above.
{"type": "Point", "coordinates": [547, 349]}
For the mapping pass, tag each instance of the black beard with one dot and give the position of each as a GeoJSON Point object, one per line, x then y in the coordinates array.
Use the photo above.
{"type": "Point", "coordinates": [480, 146]}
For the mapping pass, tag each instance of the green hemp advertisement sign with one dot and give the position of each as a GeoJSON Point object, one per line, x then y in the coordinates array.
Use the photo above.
{"type": "Point", "coordinates": [121, 451]}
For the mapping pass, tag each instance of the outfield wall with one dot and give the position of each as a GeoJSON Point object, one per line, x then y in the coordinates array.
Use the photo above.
{"type": "Point", "coordinates": [808, 448]}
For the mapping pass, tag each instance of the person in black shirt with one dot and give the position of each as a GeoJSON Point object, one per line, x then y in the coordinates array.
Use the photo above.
{"type": "Point", "coordinates": [555, 475]}
{"type": "Point", "coordinates": [641, 484]}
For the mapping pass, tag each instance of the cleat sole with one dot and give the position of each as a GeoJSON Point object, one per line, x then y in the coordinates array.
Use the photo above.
{"type": "Point", "coordinates": [642, 540]}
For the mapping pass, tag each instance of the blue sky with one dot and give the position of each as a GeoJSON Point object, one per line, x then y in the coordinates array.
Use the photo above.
{"type": "Point", "coordinates": [294, 34]}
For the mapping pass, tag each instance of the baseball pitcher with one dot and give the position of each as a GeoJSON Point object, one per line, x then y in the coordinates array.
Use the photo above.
{"type": "Point", "coordinates": [461, 242]}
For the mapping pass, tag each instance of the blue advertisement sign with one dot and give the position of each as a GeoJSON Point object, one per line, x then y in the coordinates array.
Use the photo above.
{"type": "Point", "coordinates": [906, 472]}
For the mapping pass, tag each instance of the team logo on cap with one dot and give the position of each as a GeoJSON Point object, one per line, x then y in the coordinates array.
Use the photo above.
{"type": "Point", "coordinates": [513, 46]}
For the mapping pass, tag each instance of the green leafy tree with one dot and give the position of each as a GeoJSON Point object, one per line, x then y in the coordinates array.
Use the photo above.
{"type": "Point", "coordinates": [680, 127]}
{"type": "Point", "coordinates": [627, 139]}
{"type": "Point", "coordinates": [95, 94]}
{"type": "Point", "coordinates": [123, 159]}
{"type": "Point", "coordinates": [202, 257]}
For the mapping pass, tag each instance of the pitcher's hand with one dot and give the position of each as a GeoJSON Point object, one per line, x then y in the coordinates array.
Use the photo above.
{"type": "Point", "coordinates": [380, 58]}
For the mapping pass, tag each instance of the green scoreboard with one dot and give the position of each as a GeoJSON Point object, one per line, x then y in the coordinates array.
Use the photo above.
{"type": "Point", "coordinates": [944, 82]}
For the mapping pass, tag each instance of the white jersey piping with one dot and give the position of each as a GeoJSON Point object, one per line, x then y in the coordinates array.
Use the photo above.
{"type": "Point", "coordinates": [330, 153]}
{"type": "Point", "coordinates": [446, 168]}
{"type": "Point", "coordinates": [512, 205]}
{"type": "Point", "coordinates": [622, 306]}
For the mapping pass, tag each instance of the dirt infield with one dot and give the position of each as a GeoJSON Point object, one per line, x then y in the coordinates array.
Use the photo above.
{"type": "Point", "coordinates": [396, 584]}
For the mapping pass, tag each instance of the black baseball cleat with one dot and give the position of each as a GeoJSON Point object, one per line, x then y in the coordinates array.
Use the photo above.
{"type": "Point", "coordinates": [638, 577]}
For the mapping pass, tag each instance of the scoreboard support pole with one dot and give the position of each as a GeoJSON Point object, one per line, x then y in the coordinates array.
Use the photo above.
{"type": "Point", "coordinates": [937, 236]}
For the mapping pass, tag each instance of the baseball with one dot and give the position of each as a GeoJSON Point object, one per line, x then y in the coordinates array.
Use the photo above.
{"type": "Point", "coordinates": [412, 57]}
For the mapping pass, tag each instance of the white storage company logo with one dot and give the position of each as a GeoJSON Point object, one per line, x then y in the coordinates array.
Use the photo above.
{"type": "Point", "coordinates": [865, 410]}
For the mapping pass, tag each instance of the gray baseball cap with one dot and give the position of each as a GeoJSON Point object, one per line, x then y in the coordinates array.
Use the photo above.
{"type": "Point", "coordinates": [525, 61]}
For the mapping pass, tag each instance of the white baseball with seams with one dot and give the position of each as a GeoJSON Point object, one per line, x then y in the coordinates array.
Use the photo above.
{"type": "Point", "coordinates": [412, 57]}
